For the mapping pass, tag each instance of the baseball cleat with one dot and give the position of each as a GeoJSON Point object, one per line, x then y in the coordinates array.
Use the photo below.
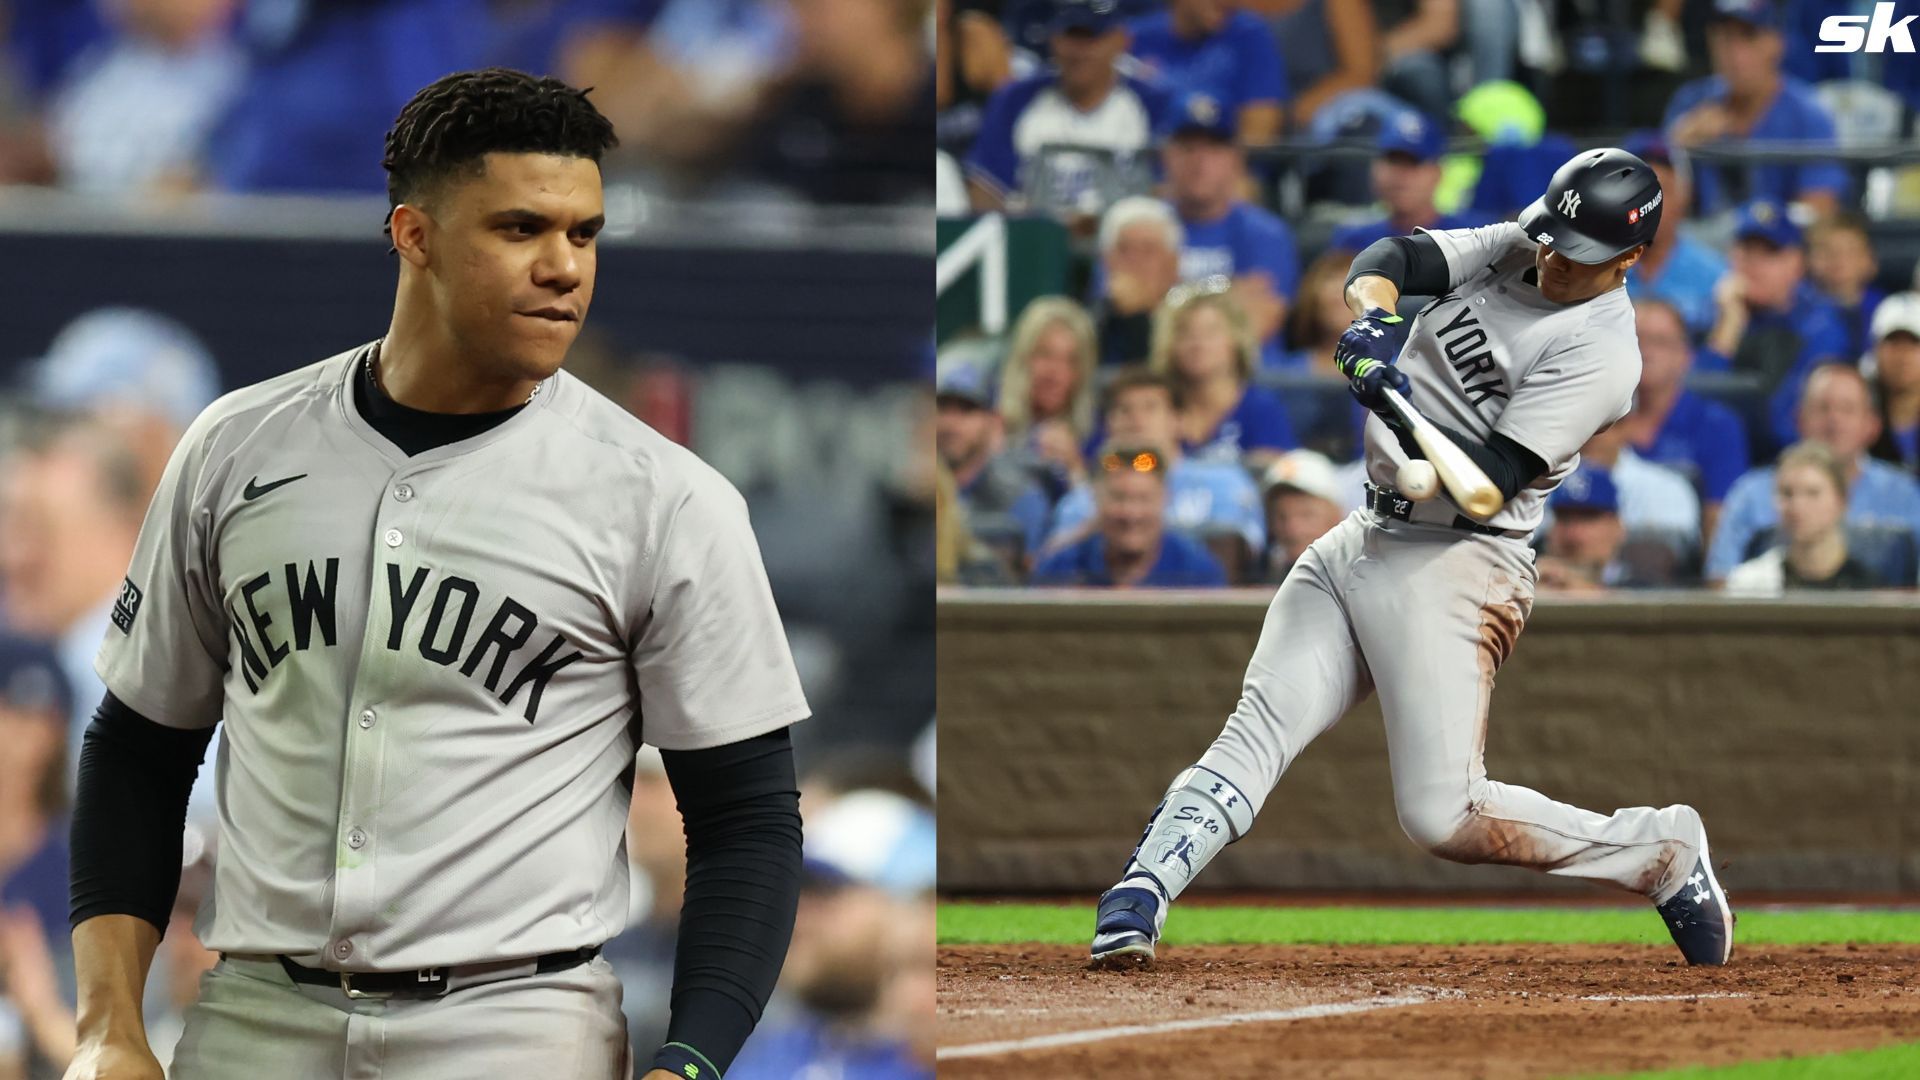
{"type": "Point", "coordinates": [1127, 925]}
{"type": "Point", "coordinates": [1698, 916]}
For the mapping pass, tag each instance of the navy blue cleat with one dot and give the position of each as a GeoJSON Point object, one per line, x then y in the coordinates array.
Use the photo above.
{"type": "Point", "coordinates": [1127, 926]}
{"type": "Point", "coordinates": [1698, 916]}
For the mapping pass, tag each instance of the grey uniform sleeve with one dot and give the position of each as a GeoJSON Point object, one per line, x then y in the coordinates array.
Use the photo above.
{"type": "Point", "coordinates": [1569, 395]}
{"type": "Point", "coordinates": [1469, 251]}
{"type": "Point", "coordinates": [165, 652]}
{"type": "Point", "coordinates": [711, 659]}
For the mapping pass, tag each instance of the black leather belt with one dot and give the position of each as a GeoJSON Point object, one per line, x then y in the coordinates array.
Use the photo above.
{"type": "Point", "coordinates": [1390, 503]}
{"type": "Point", "coordinates": [425, 982]}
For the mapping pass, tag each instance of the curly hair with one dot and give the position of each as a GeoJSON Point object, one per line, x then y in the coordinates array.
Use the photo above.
{"type": "Point", "coordinates": [449, 127]}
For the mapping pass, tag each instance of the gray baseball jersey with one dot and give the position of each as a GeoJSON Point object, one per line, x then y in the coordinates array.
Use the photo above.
{"type": "Point", "coordinates": [1493, 355]}
{"type": "Point", "coordinates": [434, 671]}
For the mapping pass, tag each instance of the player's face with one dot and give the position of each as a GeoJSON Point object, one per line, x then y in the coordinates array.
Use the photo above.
{"type": "Point", "coordinates": [1835, 410]}
{"type": "Point", "coordinates": [1664, 352]}
{"type": "Point", "coordinates": [1564, 281]}
{"type": "Point", "coordinates": [1203, 345]}
{"type": "Point", "coordinates": [1131, 505]}
{"type": "Point", "coordinates": [1809, 505]}
{"type": "Point", "coordinates": [1406, 186]}
{"type": "Point", "coordinates": [1202, 169]}
{"type": "Point", "coordinates": [1296, 519]}
{"type": "Point", "coordinates": [512, 260]}
{"type": "Point", "coordinates": [1052, 372]}
{"type": "Point", "coordinates": [1586, 537]}
{"type": "Point", "coordinates": [1897, 358]}
{"type": "Point", "coordinates": [1143, 415]}
{"type": "Point", "coordinates": [963, 431]}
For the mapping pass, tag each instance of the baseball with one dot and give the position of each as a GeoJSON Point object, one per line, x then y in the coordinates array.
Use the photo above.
{"type": "Point", "coordinates": [1417, 481]}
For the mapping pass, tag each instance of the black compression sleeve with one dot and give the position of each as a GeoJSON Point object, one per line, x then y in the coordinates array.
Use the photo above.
{"type": "Point", "coordinates": [1415, 264]}
{"type": "Point", "coordinates": [1508, 464]}
{"type": "Point", "coordinates": [741, 806]}
{"type": "Point", "coordinates": [129, 811]}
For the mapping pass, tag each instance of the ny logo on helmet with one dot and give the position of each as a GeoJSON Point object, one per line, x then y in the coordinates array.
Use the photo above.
{"type": "Point", "coordinates": [1570, 203]}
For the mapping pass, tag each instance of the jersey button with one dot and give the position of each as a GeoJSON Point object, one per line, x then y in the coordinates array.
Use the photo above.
{"type": "Point", "coordinates": [394, 538]}
{"type": "Point", "coordinates": [366, 718]}
{"type": "Point", "coordinates": [342, 949]}
{"type": "Point", "coordinates": [403, 492]}
{"type": "Point", "coordinates": [356, 839]}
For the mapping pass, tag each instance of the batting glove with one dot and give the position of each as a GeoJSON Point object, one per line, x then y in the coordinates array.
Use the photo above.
{"type": "Point", "coordinates": [1377, 335]}
{"type": "Point", "coordinates": [1370, 378]}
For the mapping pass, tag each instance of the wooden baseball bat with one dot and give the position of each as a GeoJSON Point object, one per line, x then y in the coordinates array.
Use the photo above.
{"type": "Point", "coordinates": [1463, 479]}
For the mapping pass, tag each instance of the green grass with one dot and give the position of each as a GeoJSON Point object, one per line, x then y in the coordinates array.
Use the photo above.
{"type": "Point", "coordinates": [1887, 1063]}
{"type": "Point", "coordinates": [978, 924]}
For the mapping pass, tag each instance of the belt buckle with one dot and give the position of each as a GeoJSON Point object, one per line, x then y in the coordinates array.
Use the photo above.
{"type": "Point", "coordinates": [346, 987]}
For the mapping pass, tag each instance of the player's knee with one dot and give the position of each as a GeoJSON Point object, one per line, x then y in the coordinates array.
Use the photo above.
{"type": "Point", "coordinates": [1457, 833]}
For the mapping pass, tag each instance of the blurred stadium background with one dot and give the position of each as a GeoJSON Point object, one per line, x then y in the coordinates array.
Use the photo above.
{"type": "Point", "coordinates": [1146, 213]}
{"type": "Point", "coordinates": [191, 200]}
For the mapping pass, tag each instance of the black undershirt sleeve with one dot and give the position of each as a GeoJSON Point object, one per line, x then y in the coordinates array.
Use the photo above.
{"type": "Point", "coordinates": [129, 811]}
{"type": "Point", "coordinates": [1415, 264]}
{"type": "Point", "coordinates": [1508, 464]}
{"type": "Point", "coordinates": [741, 807]}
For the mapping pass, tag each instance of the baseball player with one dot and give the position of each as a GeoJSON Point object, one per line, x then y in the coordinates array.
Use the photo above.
{"type": "Point", "coordinates": [436, 591]}
{"type": "Point", "coordinates": [1528, 350]}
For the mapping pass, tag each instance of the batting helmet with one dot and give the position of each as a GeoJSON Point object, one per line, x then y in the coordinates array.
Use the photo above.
{"type": "Point", "coordinates": [1599, 204]}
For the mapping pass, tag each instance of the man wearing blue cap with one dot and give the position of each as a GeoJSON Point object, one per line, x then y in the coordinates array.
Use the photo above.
{"type": "Point", "coordinates": [1770, 320]}
{"type": "Point", "coordinates": [1206, 47]}
{"type": "Point", "coordinates": [1083, 101]}
{"type": "Point", "coordinates": [1405, 176]}
{"type": "Point", "coordinates": [971, 441]}
{"type": "Point", "coordinates": [1227, 236]}
{"type": "Point", "coordinates": [1585, 534]}
{"type": "Point", "coordinates": [1749, 98]}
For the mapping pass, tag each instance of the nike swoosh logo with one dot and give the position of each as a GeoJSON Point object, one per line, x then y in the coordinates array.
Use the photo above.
{"type": "Point", "coordinates": [255, 488]}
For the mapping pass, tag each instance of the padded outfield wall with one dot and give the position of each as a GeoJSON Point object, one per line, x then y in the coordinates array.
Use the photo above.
{"type": "Point", "coordinates": [1793, 727]}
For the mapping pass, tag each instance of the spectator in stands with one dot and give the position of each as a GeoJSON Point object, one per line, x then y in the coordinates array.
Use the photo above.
{"type": "Point", "coordinates": [1046, 390]}
{"type": "Point", "coordinates": [972, 59]}
{"type": "Point", "coordinates": [71, 502]}
{"type": "Point", "coordinates": [1207, 48]}
{"type": "Point", "coordinates": [851, 121]}
{"type": "Point", "coordinates": [1896, 380]}
{"type": "Point", "coordinates": [1810, 500]}
{"type": "Point", "coordinates": [959, 558]}
{"type": "Point", "coordinates": [1585, 536]}
{"type": "Point", "coordinates": [1140, 241]}
{"type": "Point", "coordinates": [1415, 36]}
{"type": "Point", "coordinates": [1303, 500]}
{"type": "Point", "coordinates": [35, 701]}
{"type": "Point", "coordinates": [1700, 438]}
{"type": "Point", "coordinates": [1748, 97]}
{"type": "Point", "coordinates": [1201, 338]}
{"type": "Point", "coordinates": [1328, 49]}
{"type": "Point", "coordinates": [1652, 497]}
{"type": "Point", "coordinates": [971, 441]}
{"type": "Point", "coordinates": [1676, 267]}
{"type": "Point", "coordinates": [1770, 321]}
{"type": "Point", "coordinates": [1841, 262]}
{"type": "Point", "coordinates": [1226, 236]}
{"type": "Point", "coordinates": [1084, 101]}
{"type": "Point", "coordinates": [1332, 422]}
{"type": "Point", "coordinates": [133, 115]}
{"type": "Point", "coordinates": [1141, 408]}
{"type": "Point", "coordinates": [1405, 176]}
{"type": "Point", "coordinates": [137, 372]}
{"type": "Point", "coordinates": [1837, 411]}
{"type": "Point", "coordinates": [1131, 545]}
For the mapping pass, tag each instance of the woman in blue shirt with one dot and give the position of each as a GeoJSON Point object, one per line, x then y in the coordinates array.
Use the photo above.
{"type": "Point", "coordinates": [1204, 341]}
